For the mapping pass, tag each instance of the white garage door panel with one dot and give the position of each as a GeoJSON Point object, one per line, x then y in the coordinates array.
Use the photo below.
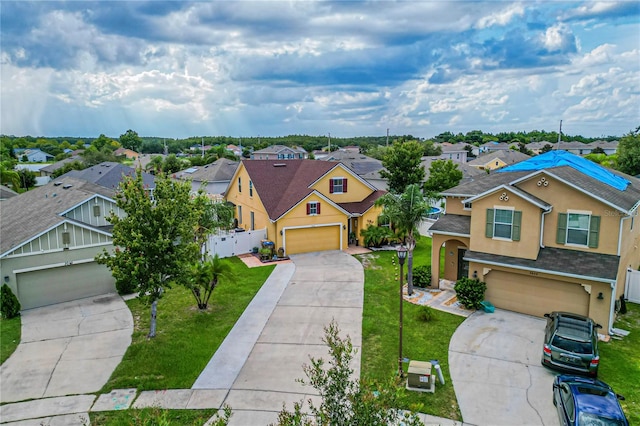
{"type": "Point", "coordinates": [307, 240]}
{"type": "Point", "coordinates": [56, 285]}
{"type": "Point", "coordinates": [534, 296]}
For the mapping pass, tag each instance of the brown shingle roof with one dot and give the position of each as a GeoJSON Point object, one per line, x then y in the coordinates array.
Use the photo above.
{"type": "Point", "coordinates": [364, 205]}
{"type": "Point", "coordinates": [33, 212]}
{"type": "Point", "coordinates": [283, 184]}
{"type": "Point", "coordinates": [452, 224]}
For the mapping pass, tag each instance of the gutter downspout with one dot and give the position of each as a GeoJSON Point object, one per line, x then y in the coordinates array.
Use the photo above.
{"type": "Point", "coordinates": [612, 308]}
{"type": "Point", "coordinates": [542, 226]}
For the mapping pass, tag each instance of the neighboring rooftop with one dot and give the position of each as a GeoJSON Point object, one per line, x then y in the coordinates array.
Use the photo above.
{"type": "Point", "coordinates": [221, 170]}
{"type": "Point", "coordinates": [109, 174]}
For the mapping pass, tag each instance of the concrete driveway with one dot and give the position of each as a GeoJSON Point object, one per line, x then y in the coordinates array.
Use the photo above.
{"type": "Point", "coordinates": [67, 348]}
{"type": "Point", "coordinates": [495, 367]}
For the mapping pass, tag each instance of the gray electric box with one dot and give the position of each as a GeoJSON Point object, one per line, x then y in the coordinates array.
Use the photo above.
{"type": "Point", "coordinates": [419, 375]}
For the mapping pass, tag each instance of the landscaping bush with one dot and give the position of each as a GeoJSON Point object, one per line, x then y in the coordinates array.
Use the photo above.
{"type": "Point", "coordinates": [9, 304]}
{"type": "Point", "coordinates": [422, 276]}
{"type": "Point", "coordinates": [470, 292]}
{"type": "Point", "coordinates": [376, 236]}
{"type": "Point", "coordinates": [426, 313]}
{"type": "Point", "coordinates": [125, 287]}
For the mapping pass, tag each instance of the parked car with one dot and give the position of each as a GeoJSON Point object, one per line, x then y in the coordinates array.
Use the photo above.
{"type": "Point", "coordinates": [587, 401]}
{"type": "Point", "coordinates": [571, 343]}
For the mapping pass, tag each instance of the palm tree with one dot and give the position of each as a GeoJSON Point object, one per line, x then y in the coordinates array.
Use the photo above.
{"type": "Point", "coordinates": [11, 177]}
{"type": "Point", "coordinates": [204, 278]}
{"type": "Point", "coordinates": [405, 212]}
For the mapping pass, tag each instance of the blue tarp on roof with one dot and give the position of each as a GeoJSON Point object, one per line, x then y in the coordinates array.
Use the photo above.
{"type": "Point", "coordinates": [564, 158]}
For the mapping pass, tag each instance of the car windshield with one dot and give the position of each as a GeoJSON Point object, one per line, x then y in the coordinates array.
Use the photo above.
{"type": "Point", "coordinates": [572, 345]}
{"type": "Point", "coordinates": [589, 419]}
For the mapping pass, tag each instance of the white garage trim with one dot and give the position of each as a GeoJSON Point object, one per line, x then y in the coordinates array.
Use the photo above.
{"type": "Point", "coordinates": [53, 265]}
{"type": "Point", "coordinates": [322, 225]}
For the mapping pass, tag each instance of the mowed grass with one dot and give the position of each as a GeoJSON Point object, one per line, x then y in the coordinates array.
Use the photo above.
{"type": "Point", "coordinates": [186, 338]}
{"type": "Point", "coordinates": [151, 416]}
{"type": "Point", "coordinates": [10, 330]}
{"type": "Point", "coordinates": [422, 341]}
{"type": "Point", "coordinates": [620, 362]}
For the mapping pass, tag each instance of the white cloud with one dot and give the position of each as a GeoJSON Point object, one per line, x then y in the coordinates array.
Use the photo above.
{"type": "Point", "coordinates": [501, 17]}
{"type": "Point", "coordinates": [558, 38]}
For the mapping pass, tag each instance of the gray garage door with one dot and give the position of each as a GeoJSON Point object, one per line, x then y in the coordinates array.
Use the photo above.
{"type": "Point", "coordinates": [56, 285]}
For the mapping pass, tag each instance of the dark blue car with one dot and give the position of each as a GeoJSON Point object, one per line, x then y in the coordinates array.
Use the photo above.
{"type": "Point", "coordinates": [587, 402]}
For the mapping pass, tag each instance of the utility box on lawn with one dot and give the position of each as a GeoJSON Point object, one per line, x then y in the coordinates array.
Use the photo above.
{"type": "Point", "coordinates": [420, 375]}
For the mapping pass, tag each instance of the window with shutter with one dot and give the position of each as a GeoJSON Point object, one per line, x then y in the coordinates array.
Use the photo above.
{"type": "Point", "coordinates": [313, 208]}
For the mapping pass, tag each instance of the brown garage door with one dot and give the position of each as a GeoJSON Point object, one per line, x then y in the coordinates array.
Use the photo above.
{"type": "Point", "coordinates": [305, 240]}
{"type": "Point", "coordinates": [57, 285]}
{"type": "Point", "coordinates": [534, 296]}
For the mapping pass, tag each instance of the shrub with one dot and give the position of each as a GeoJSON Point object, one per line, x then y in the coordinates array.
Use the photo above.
{"type": "Point", "coordinates": [470, 292]}
{"type": "Point", "coordinates": [422, 276]}
{"type": "Point", "coordinates": [376, 236]}
{"type": "Point", "coordinates": [425, 313]}
{"type": "Point", "coordinates": [125, 287]}
{"type": "Point", "coordinates": [9, 303]}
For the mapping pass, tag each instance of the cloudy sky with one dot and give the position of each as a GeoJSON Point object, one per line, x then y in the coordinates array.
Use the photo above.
{"type": "Point", "coordinates": [348, 68]}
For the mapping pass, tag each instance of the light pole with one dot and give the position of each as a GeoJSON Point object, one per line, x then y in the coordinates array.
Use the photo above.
{"type": "Point", "coordinates": [402, 255]}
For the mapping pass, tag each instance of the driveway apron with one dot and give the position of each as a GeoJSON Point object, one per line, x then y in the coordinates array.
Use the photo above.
{"type": "Point", "coordinates": [495, 368]}
{"type": "Point", "coordinates": [323, 286]}
{"type": "Point", "coordinates": [67, 348]}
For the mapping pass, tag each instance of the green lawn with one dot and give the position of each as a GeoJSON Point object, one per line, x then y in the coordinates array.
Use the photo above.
{"type": "Point", "coordinates": [423, 341]}
{"type": "Point", "coordinates": [186, 338]}
{"type": "Point", "coordinates": [152, 417]}
{"type": "Point", "coordinates": [620, 362]}
{"type": "Point", "coordinates": [9, 337]}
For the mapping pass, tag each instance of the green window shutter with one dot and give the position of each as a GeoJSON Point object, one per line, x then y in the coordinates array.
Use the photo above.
{"type": "Point", "coordinates": [561, 234]}
{"type": "Point", "coordinates": [489, 229]}
{"type": "Point", "coordinates": [594, 231]}
{"type": "Point", "coordinates": [517, 219]}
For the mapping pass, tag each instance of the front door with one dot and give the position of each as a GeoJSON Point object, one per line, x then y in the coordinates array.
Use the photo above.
{"type": "Point", "coordinates": [463, 265]}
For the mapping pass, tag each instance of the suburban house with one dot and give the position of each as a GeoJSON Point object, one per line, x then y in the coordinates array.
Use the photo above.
{"type": "Point", "coordinates": [213, 178]}
{"type": "Point", "coordinates": [109, 175]}
{"type": "Point", "coordinates": [364, 166]}
{"type": "Point", "coordinates": [6, 193]}
{"type": "Point", "coordinates": [490, 147]}
{"type": "Point", "coordinates": [50, 237]}
{"type": "Point", "coordinates": [305, 205]}
{"type": "Point", "coordinates": [454, 152]}
{"type": "Point", "coordinates": [537, 147]}
{"type": "Point", "coordinates": [129, 154]}
{"type": "Point", "coordinates": [468, 171]}
{"type": "Point", "coordinates": [493, 160]}
{"type": "Point", "coordinates": [33, 155]}
{"type": "Point", "coordinates": [50, 169]}
{"type": "Point", "coordinates": [280, 152]}
{"type": "Point", "coordinates": [553, 233]}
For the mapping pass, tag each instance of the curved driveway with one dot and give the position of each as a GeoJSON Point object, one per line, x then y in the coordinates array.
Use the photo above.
{"type": "Point", "coordinates": [494, 361]}
{"type": "Point", "coordinates": [68, 348]}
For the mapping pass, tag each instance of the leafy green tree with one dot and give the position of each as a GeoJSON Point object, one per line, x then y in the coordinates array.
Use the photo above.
{"type": "Point", "coordinates": [405, 212]}
{"type": "Point", "coordinates": [9, 303]}
{"type": "Point", "coordinates": [629, 153]}
{"type": "Point", "coordinates": [443, 174]}
{"type": "Point", "coordinates": [130, 140]}
{"type": "Point", "coordinates": [74, 165]}
{"type": "Point", "coordinates": [430, 150]}
{"type": "Point", "coordinates": [9, 177]}
{"type": "Point", "coordinates": [204, 277]}
{"type": "Point", "coordinates": [93, 156]}
{"type": "Point", "coordinates": [155, 165]}
{"type": "Point", "coordinates": [548, 147]}
{"type": "Point", "coordinates": [403, 165]}
{"type": "Point", "coordinates": [171, 164]}
{"type": "Point", "coordinates": [27, 178]}
{"type": "Point", "coordinates": [522, 147]}
{"type": "Point", "coordinates": [101, 142]}
{"type": "Point", "coordinates": [345, 401]}
{"type": "Point", "coordinates": [155, 242]}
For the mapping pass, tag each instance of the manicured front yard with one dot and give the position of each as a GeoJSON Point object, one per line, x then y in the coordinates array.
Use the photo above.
{"type": "Point", "coordinates": [620, 362]}
{"type": "Point", "coordinates": [9, 337]}
{"type": "Point", "coordinates": [186, 338]}
{"type": "Point", "coordinates": [423, 341]}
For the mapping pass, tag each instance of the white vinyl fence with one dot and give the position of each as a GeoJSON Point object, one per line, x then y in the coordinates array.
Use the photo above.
{"type": "Point", "coordinates": [632, 286]}
{"type": "Point", "coordinates": [233, 243]}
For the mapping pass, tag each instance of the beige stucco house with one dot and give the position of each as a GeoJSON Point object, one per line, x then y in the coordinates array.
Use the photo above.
{"type": "Point", "coordinates": [555, 232]}
{"type": "Point", "coordinates": [304, 205]}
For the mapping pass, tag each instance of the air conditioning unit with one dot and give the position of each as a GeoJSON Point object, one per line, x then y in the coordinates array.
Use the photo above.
{"type": "Point", "coordinates": [420, 377]}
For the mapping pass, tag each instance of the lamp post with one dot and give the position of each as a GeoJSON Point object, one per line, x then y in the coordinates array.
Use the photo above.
{"type": "Point", "coordinates": [402, 255]}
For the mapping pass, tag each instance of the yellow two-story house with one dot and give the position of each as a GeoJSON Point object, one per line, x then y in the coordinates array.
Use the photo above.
{"type": "Point", "coordinates": [552, 233]}
{"type": "Point", "coordinates": [305, 205]}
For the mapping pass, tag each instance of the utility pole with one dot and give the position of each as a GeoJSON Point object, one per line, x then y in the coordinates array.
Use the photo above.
{"type": "Point", "coordinates": [387, 136]}
{"type": "Point", "coordinates": [202, 145]}
{"type": "Point", "coordinates": [559, 136]}
{"type": "Point", "coordinates": [329, 142]}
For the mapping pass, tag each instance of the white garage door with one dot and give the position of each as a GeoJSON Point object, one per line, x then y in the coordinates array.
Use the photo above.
{"type": "Point", "coordinates": [305, 240]}
{"type": "Point", "coordinates": [57, 285]}
{"type": "Point", "coordinates": [534, 296]}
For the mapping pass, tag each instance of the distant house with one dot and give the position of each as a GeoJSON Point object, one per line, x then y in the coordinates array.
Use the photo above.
{"type": "Point", "coordinates": [109, 175]}
{"type": "Point", "coordinates": [576, 147]}
{"type": "Point", "coordinates": [468, 171]}
{"type": "Point", "coordinates": [127, 153]}
{"type": "Point", "coordinates": [6, 192]}
{"type": "Point", "coordinates": [50, 238]}
{"type": "Point", "coordinates": [537, 147]}
{"type": "Point", "coordinates": [609, 148]}
{"type": "Point", "coordinates": [33, 155]}
{"type": "Point", "coordinates": [498, 159]}
{"type": "Point", "coordinates": [280, 152]}
{"type": "Point", "coordinates": [366, 167]}
{"type": "Point", "coordinates": [454, 152]}
{"type": "Point", "coordinates": [214, 178]}
{"type": "Point", "coordinates": [50, 169]}
{"type": "Point", "coordinates": [491, 146]}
